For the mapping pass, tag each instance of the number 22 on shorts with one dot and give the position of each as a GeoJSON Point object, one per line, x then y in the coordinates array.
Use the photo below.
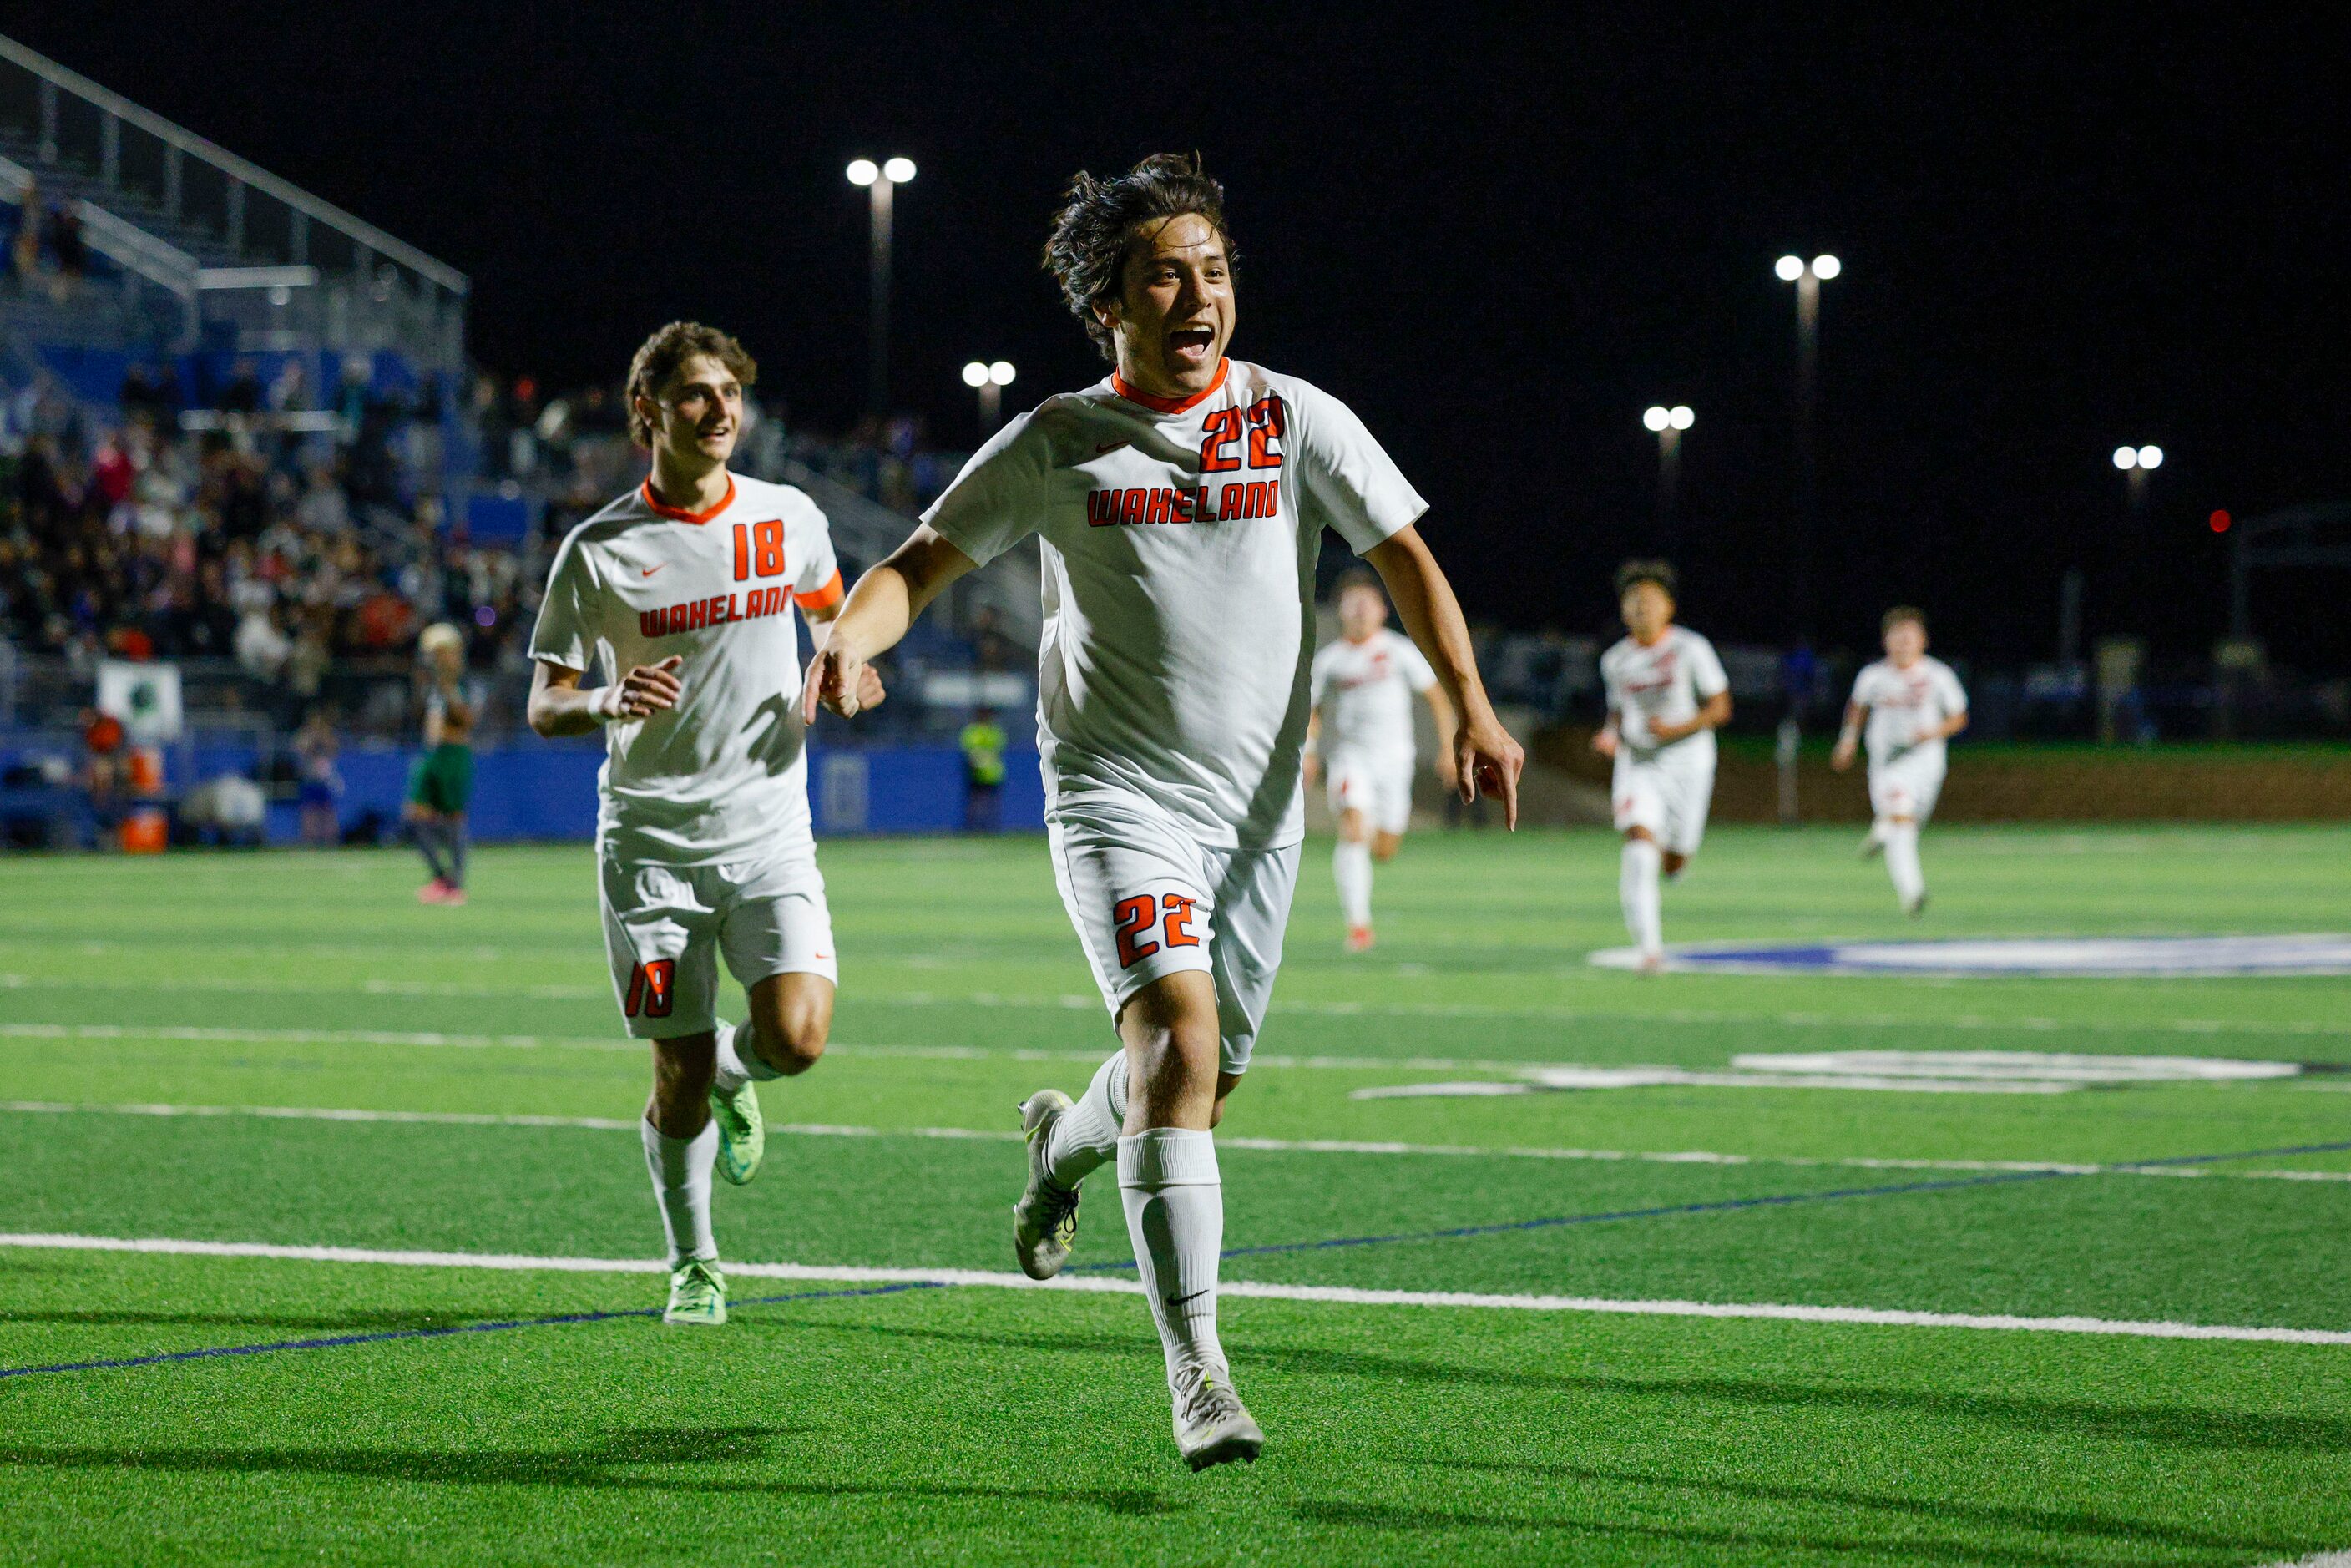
{"type": "Point", "coordinates": [1134, 918]}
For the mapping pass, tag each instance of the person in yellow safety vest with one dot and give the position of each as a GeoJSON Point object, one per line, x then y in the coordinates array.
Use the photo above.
{"type": "Point", "coordinates": [983, 771]}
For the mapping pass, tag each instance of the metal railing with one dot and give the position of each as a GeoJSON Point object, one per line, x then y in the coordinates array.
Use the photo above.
{"type": "Point", "coordinates": [377, 288]}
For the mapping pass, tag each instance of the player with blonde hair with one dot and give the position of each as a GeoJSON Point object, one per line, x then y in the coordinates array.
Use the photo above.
{"type": "Point", "coordinates": [441, 781]}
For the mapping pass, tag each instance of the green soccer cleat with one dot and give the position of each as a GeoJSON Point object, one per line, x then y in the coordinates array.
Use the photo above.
{"type": "Point", "coordinates": [697, 1293]}
{"type": "Point", "coordinates": [742, 1134]}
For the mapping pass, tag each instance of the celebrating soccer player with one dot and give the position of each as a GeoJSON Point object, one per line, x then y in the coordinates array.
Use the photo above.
{"type": "Point", "coordinates": [1667, 696]}
{"type": "Point", "coordinates": [1180, 503]}
{"type": "Point", "coordinates": [1912, 705]}
{"type": "Point", "coordinates": [1361, 687]}
{"type": "Point", "coordinates": [684, 590]}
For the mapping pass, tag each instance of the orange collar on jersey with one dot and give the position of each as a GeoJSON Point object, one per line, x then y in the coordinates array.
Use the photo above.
{"type": "Point", "coordinates": [1118, 383]}
{"type": "Point", "coordinates": [680, 513]}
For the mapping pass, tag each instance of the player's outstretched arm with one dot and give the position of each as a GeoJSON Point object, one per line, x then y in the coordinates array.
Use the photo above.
{"type": "Point", "coordinates": [557, 706]}
{"type": "Point", "coordinates": [1484, 755]}
{"type": "Point", "coordinates": [880, 607]}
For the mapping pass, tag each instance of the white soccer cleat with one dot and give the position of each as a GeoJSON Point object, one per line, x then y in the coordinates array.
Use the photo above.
{"type": "Point", "coordinates": [1649, 963]}
{"type": "Point", "coordinates": [1044, 1220]}
{"type": "Point", "coordinates": [1212, 1426]}
{"type": "Point", "coordinates": [1872, 844]}
{"type": "Point", "coordinates": [1917, 908]}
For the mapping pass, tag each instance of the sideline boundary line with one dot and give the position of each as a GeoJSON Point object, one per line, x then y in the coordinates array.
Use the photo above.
{"type": "Point", "coordinates": [897, 1281]}
{"type": "Point", "coordinates": [1267, 1146]}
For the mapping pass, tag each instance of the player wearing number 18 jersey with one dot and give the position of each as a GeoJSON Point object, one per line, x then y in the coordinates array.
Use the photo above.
{"type": "Point", "coordinates": [684, 590]}
{"type": "Point", "coordinates": [1180, 503]}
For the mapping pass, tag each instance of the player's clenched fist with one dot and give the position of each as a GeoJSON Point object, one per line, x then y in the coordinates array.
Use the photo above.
{"type": "Point", "coordinates": [645, 690]}
{"type": "Point", "coordinates": [842, 682]}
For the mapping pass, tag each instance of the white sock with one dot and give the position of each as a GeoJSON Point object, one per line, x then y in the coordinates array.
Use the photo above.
{"type": "Point", "coordinates": [1086, 1137]}
{"type": "Point", "coordinates": [1350, 866]}
{"type": "Point", "coordinates": [739, 1068]}
{"type": "Point", "coordinates": [1636, 888]}
{"type": "Point", "coordinates": [681, 1173]}
{"type": "Point", "coordinates": [1902, 862]}
{"type": "Point", "coordinates": [1176, 1218]}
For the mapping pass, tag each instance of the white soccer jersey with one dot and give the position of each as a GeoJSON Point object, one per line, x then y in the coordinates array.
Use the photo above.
{"type": "Point", "coordinates": [722, 776]}
{"type": "Point", "coordinates": [1902, 702]}
{"type": "Point", "coordinates": [1364, 691]}
{"type": "Point", "coordinates": [1666, 683]}
{"type": "Point", "coordinates": [1179, 542]}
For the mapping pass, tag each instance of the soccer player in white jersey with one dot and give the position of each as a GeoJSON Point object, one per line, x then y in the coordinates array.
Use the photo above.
{"type": "Point", "coordinates": [1912, 705]}
{"type": "Point", "coordinates": [1360, 735]}
{"type": "Point", "coordinates": [1180, 503]}
{"type": "Point", "coordinates": [683, 590]}
{"type": "Point", "coordinates": [1667, 696]}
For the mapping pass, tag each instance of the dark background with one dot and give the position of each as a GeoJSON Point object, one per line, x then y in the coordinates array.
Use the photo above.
{"type": "Point", "coordinates": [1499, 244]}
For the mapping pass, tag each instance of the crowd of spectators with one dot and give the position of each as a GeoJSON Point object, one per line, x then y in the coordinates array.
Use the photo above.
{"type": "Point", "coordinates": [292, 556]}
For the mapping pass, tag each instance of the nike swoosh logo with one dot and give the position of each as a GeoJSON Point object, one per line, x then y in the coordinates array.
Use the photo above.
{"type": "Point", "coordinates": [1110, 446]}
{"type": "Point", "coordinates": [651, 570]}
{"type": "Point", "coordinates": [1179, 1301]}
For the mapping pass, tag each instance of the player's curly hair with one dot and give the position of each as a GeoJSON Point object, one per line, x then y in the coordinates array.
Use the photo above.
{"type": "Point", "coordinates": [1901, 612]}
{"type": "Point", "coordinates": [1100, 219]}
{"type": "Point", "coordinates": [1660, 572]}
{"type": "Point", "coordinates": [659, 357]}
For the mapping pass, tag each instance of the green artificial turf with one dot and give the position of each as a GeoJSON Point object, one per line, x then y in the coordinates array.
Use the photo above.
{"type": "Point", "coordinates": [150, 1010]}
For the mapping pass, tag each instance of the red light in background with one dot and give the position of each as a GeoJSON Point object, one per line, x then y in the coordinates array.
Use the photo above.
{"type": "Point", "coordinates": [2220, 521]}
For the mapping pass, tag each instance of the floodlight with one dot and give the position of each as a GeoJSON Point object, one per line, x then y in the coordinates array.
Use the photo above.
{"type": "Point", "coordinates": [863, 171]}
{"type": "Point", "coordinates": [1000, 372]}
{"type": "Point", "coordinates": [2125, 458]}
{"type": "Point", "coordinates": [1790, 269]}
{"type": "Point", "coordinates": [1680, 417]}
{"type": "Point", "coordinates": [975, 375]}
{"type": "Point", "coordinates": [898, 170]}
{"type": "Point", "coordinates": [2150, 456]}
{"type": "Point", "coordinates": [1655, 416]}
{"type": "Point", "coordinates": [1826, 266]}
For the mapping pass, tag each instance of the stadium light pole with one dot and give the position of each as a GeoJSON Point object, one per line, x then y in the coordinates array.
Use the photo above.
{"type": "Point", "coordinates": [990, 379]}
{"type": "Point", "coordinates": [880, 182]}
{"type": "Point", "coordinates": [1668, 423]}
{"type": "Point", "coordinates": [1807, 276]}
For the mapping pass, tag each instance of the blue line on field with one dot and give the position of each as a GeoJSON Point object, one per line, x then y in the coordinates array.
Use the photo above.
{"type": "Point", "coordinates": [339, 1342]}
{"type": "Point", "coordinates": [1725, 1205]}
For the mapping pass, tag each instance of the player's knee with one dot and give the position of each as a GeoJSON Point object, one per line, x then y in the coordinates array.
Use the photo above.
{"type": "Point", "coordinates": [1673, 861]}
{"type": "Point", "coordinates": [1351, 828]}
{"type": "Point", "coordinates": [794, 1051]}
{"type": "Point", "coordinates": [1639, 836]}
{"type": "Point", "coordinates": [1384, 847]}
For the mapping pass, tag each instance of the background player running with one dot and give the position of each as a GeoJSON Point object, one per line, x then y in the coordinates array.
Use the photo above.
{"type": "Point", "coordinates": [1180, 504]}
{"type": "Point", "coordinates": [1360, 734]}
{"type": "Point", "coordinates": [1667, 696]}
{"type": "Point", "coordinates": [1912, 704]}
{"type": "Point", "coordinates": [441, 783]}
{"type": "Point", "coordinates": [683, 590]}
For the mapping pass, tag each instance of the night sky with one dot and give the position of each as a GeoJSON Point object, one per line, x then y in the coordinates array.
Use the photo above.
{"type": "Point", "coordinates": [1499, 245]}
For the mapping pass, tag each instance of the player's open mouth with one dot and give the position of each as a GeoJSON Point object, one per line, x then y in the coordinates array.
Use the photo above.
{"type": "Point", "coordinates": [1191, 345]}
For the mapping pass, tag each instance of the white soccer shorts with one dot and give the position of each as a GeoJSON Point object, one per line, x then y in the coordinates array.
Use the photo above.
{"type": "Point", "coordinates": [1667, 795]}
{"type": "Point", "coordinates": [1905, 786]}
{"type": "Point", "coordinates": [1378, 785]}
{"type": "Point", "coordinates": [1148, 900]}
{"type": "Point", "coordinates": [667, 928]}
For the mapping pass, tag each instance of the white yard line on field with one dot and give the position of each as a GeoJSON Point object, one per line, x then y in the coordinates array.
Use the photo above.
{"type": "Point", "coordinates": [1340, 1295]}
{"type": "Point", "coordinates": [1267, 1146]}
{"type": "Point", "coordinates": [1078, 1002]}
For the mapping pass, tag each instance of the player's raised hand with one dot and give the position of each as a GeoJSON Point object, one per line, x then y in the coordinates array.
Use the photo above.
{"type": "Point", "coordinates": [1486, 759]}
{"type": "Point", "coordinates": [645, 690]}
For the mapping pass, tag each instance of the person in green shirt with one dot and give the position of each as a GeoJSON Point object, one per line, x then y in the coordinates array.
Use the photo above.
{"type": "Point", "coordinates": [441, 783]}
{"type": "Point", "coordinates": [983, 772]}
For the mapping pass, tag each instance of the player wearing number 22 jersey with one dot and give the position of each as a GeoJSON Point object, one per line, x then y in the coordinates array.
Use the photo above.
{"type": "Point", "coordinates": [1179, 504]}
{"type": "Point", "coordinates": [685, 592]}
